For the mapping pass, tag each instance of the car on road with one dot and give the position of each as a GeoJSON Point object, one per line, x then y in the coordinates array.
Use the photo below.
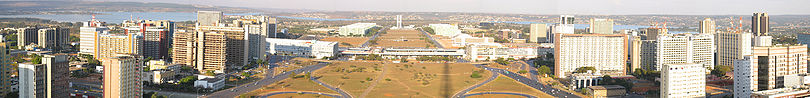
{"type": "Point", "coordinates": [233, 90]}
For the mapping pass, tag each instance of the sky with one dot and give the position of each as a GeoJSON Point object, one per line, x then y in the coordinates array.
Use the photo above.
{"type": "Point", "coordinates": [577, 7]}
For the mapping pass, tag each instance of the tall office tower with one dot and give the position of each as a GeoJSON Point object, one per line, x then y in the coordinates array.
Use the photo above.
{"type": "Point", "coordinates": [635, 53]}
{"type": "Point", "coordinates": [110, 45]}
{"type": "Point", "coordinates": [5, 69]}
{"type": "Point", "coordinates": [257, 28]}
{"type": "Point", "coordinates": [775, 62]}
{"type": "Point", "coordinates": [399, 21]}
{"type": "Point", "coordinates": [235, 40]}
{"type": "Point", "coordinates": [209, 18]}
{"type": "Point", "coordinates": [155, 36]}
{"type": "Point", "coordinates": [653, 33]}
{"type": "Point", "coordinates": [27, 36]}
{"type": "Point", "coordinates": [707, 26]}
{"type": "Point", "coordinates": [560, 28]}
{"type": "Point", "coordinates": [744, 73]}
{"type": "Point", "coordinates": [53, 38]}
{"type": "Point", "coordinates": [606, 53]}
{"type": "Point", "coordinates": [122, 75]}
{"type": "Point", "coordinates": [88, 34]}
{"type": "Point", "coordinates": [566, 19]}
{"type": "Point", "coordinates": [538, 33]}
{"type": "Point", "coordinates": [759, 24]}
{"type": "Point", "coordinates": [46, 80]}
{"type": "Point", "coordinates": [601, 26]}
{"type": "Point", "coordinates": [184, 47]}
{"type": "Point", "coordinates": [685, 48]}
{"type": "Point", "coordinates": [683, 80]}
{"type": "Point", "coordinates": [649, 54]}
{"type": "Point", "coordinates": [732, 46]}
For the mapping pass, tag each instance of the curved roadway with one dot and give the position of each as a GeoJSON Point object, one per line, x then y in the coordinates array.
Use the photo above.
{"type": "Point", "coordinates": [269, 79]}
{"type": "Point", "coordinates": [534, 84]}
{"type": "Point", "coordinates": [507, 93]}
{"type": "Point", "coordinates": [342, 93]}
{"type": "Point", "coordinates": [462, 92]}
{"type": "Point", "coordinates": [303, 92]}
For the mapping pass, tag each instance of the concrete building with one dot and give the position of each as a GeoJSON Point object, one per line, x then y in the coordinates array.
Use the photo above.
{"type": "Point", "coordinates": [27, 36]}
{"type": "Point", "coordinates": [445, 29]}
{"type": "Point", "coordinates": [53, 38]}
{"type": "Point", "coordinates": [606, 53]}
{"type": "Point", "coordinates": [781, 93]}
{"type": "Point", "coordinates": [110, 45]}
{"type": "Point", "coordinates": [212, 83]}
{"type": "Point", "coordinates": [88, 34]}
{"type": "Point", "coordinates": [745, 72]}
{"type": "Point", "coordinates": [649, 52]}
{"type": "Point", "coordinates": [797, 80]}
{"type": "Point", "coordinates": [6, 70]}
{"type": "Point", "coordinates": [601, 26]}
{"type": "Point", "coordinates": [304, 48]}
{"type": "Point", "coordinates": [635, 53]}
{"type": "Point", "coordinates": [560, 28]}
{"type": "Point", "coordinates": [210, 48]}
{"type": "Point", "coordinates": [685, 48]}
{"type": "Point", "coordinates": [775, 62]}
{"type": "Point", "coordinates": [46, 80]}
{"type": "Point", "coordinates": [258, 28]}
{"type": "Point", "coordinates": [155, 36]}
{"type": "Point", "coordinates": [492, 51]}
{"type": "Point", "coordinates": [683, 80]}
{"type": "Point", "coordinates": [759, 24]}
{"type": "Point", "coordinates": [566, 19]}
{"type": "Point", "coordinates": [158, 76]}
{"type": "Point", "coordinates": [356, 29]}
{"type": "Point", "coordinates": [538, 33]}
{"type": "Point", "coordinates": [707, 26]}
{"type": "Point", "coordinates": [122, 75]}
{"type": "Point", "coordinates": [606, 91]}
{"type": "Point", "coordinates": [762, 41]}
{"type": "Point", "coordinates": [585, 80]}
{"type": "Point", "coordinates": [209, 18]}
{"type": "Point", "coordinates": [732, 46]}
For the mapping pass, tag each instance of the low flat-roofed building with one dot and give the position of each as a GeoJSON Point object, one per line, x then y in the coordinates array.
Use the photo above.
{"type": "Point", "coordinates": [781, 93]}
{"type": "Point", "coordinates": [212, 83]}
{"type": "Point", "coordinates": [606, 91]}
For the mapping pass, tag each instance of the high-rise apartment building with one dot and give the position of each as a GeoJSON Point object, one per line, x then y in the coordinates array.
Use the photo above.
{"type": "Point", "coordinates": [745, 72]}
{"type": "Point", "coordinates": [538, 33]}
{"type": "Point", "coordinates": [210, 48]}
{"type": "Point", "coordinates": [759, 24]}
{"type": "Point", "coordinates": [88, 34]}
{"type": "Point", "coordinates": [27, 36]}
{"type": "Point", "coordinates": [775, 62]}
{"type": "Point", "coordinates": [122, 77]}
{"type": "Point", "coordinates": [653, 33]}
{"type": "Point", "coordinates": [155, 36]}
{"type": "Point", "coordinates": [209, 18]}
{"type": "Point", "coordinates": [5, 69]}
{"type": "Point", "coordinates": [46, 80]}
{"type": "Point", "coordinates": [184, 46]}
{"type": "Point", "coordinates": [707, 26]}
{"type": "Point", "coordinates": [732, 46]}
{"type": "Point", "coordinates": [258, 28]}
{"type": "Point", "coordinates": [685, 48]}
{"type": "Point", "coordinates": [601, 26]}
{"type": "Point", "coordinates": [648, 54]}
{"type": "Point", "coordinates": [635, 53]}
{"type": "Point", "coordinates": [605, 52]}
{"type": "Point", "coordinates": [566, 19]}
{"type": "Point", "coordinates": [111, 45]}
{"type": "Point", "coordinates": [53, 38]}
{"type": "Point", "coordinates": [683, 80]}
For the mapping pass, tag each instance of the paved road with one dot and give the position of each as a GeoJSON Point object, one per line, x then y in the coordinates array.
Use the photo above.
{"type": "Point", "coordinates": [269, 79]}
{"type": "Point", "coordinates": [377, 81]}
{"type": "Point", "coordinates": [532, 70]}
{"type": "Point", "coordinates": [534, 84]}
{"type": "Point", "coordinates": [462, 92]}
{"type": "Point", "coordinates": [508, 93]}
{"type": "Point", "coordinates": [170, 94]}
{"type": "Point", "coordinates": [303, 92]}
{"type": "Point", "coordinates": [365, 44]}
{"type": "Point", "coordinates": [342, 93]}
{"type": "Point", "coordinates": [435, 43]}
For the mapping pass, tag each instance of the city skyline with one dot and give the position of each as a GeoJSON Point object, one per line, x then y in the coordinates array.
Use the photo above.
{"type": "Point", "coordinates": [593, 7]}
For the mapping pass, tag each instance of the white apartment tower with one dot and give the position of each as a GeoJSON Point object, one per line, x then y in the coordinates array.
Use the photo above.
{"type": "Point", "coordinates": [732, 46]}
{"type": "Point", "coordinates": [683, 80]}
{"type": "Point", "coordinates": [685, 48]}
{"type": "Point", "coordinates": [605, 52]}
{"type": "Point", "coordinates": [745, 74]}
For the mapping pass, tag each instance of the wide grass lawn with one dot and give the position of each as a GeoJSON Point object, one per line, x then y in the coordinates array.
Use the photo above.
{"type": "Point", "coordinates": [506, 84]}
{"type": "Point", "coordinates": [291, 84]}
{"type": "Point", "coordinates": [435, 80]}
{"type": "Point", "coordinates": [352, 77]}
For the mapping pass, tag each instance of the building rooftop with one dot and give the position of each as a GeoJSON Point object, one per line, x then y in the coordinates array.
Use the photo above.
{"type": "Point", "coordinates": [606, 87]}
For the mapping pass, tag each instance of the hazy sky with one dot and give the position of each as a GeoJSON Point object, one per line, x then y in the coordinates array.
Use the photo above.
{"type": "Point", "coordinates": [612, 7]}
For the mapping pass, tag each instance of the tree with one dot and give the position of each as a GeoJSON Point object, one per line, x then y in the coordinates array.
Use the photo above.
{"type": "Point", "coordinates": [36, 59]}
{"type": "Point", "coordinates": [720, 70]}
{"type": "Point", "coordinates": [501, 61]}
{"type": "Point", "coordinates": [210, 73]}
{"type": "Point", "coordinates": [585, 69]}
{"type": "Point", "coordinates": [244, 74]}
{"type": "Point", "coordinates": [188, 80]}
{"type": "Point", "coordinates": [544, 70]}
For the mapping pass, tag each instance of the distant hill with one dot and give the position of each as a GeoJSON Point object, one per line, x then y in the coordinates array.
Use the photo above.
{"type": "Point", "coordinates": [77, 7]}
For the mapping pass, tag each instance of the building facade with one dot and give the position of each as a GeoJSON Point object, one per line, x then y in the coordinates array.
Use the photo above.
{"type": "Point", "coordinates": [707, 26]}
{"type": "Point", "coordinates": [447, 30]}
{"type": "Point", "coordinates": [356, 29]}
{"type": "Point", "coordinates": [601, 26]}
{"type": "Point", "coordinates": [53, 38]}
{"type": "Point", "coordinates": [732, 46]}
{"type": "Point", "coordinates": [775, 62]}
{"type": "Point", "coordinates": [46, 80]}
{"type": "Point", "coordinates": [88, 35]}
{"type": "Point", "coordinates": [305, 48]}
{"type": "Point", "coordinates": [155, 35]}
{"type": "Point", "coordinates": [759, 24]}
{"type": "Point", "coordinates": [110, 45]}
{"type": "Point", "coordinates": [538, 33]}
{"type": "Point", "coordinates": [209, 18]}
{"type": "Point", "coordinates": [606, 53]}
{"type": "Point", "coordinates": [27, 36]}
{"type": "Point", "coordinates": [122, 75]}
{"type": "Point", "coordinates": [683, 80]}
{"type": "Point", "coordinates": [745, 72]}
{"type": "Point", "coordinates": [685, 48]}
